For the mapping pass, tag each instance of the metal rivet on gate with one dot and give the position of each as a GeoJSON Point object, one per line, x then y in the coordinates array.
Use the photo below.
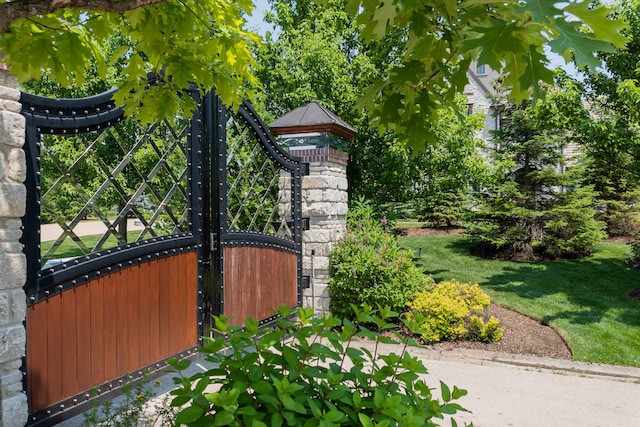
{"type": "Point", "coordinates": [86, 112]}
{"type": "Point", "coordinates": [97, 110]}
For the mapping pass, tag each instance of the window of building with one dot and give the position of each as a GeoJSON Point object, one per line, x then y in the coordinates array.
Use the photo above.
{"type": "Point", "coordinates": [480, 69]}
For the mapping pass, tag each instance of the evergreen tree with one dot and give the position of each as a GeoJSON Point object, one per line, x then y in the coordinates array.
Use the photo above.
{"type": "Point", "coordinates": [540, 208]}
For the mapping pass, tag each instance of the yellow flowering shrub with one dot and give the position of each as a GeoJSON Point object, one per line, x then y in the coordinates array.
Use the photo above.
{"type": "Point", "coordinates": [489, 331]}
{"type": "Point", "coordinates": [448, 310]}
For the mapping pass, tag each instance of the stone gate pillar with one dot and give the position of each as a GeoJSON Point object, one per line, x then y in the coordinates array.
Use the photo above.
{"type": "Point", "coordinates": [13, 266]}
{"type": "Point", "coordinates": [324, 203]}
{"type": "Point", "coordinates": [319, 137]}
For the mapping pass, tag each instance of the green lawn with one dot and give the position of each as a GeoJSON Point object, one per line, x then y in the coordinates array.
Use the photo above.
{"type": "Point", "coordinates": [585, 300]}
{"type": "Point", "coordinates": [70, 249]}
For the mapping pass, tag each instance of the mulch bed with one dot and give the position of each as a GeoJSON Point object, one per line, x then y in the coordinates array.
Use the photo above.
{"type": "Point", "coordinates": [523, 335]}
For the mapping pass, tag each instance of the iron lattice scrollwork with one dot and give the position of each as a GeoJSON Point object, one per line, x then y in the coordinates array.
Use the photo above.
{"type": "Point", "coordinates": [256, 197]}
{"type": "Point", "coordinates": [114, 186]}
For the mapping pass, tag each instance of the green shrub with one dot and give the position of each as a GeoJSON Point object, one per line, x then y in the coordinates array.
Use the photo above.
{"type": "Point", "coordinates": [368, 266]}
{"type": "Point", "coordinates": [307, 372]}
{"type": "Point", "coordinates": [448, 309]}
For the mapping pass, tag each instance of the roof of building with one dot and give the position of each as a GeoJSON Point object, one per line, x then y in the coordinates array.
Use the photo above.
{"type": "Point", "coordinates": [311, 117]}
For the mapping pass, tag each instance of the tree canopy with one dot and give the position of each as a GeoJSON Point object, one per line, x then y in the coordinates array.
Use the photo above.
{"type": "Point", "coordinates": [204, 41]}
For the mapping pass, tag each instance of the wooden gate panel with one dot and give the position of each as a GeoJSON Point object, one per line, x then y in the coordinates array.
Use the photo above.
{"type": "Point", "coordinates": [258, 280]}
{"type": "Point", "coordinates": [98, 331]}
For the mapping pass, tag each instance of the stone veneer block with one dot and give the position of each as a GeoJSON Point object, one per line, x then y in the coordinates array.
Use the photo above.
{"type": "Point", "coordinates": [12, 128]}
{"type": "Point", "coordinates": [13, 267]}
{"type": "Point", "coordinates": [13, 199]}
{"type": "Point", "coordinates": [17, 162]}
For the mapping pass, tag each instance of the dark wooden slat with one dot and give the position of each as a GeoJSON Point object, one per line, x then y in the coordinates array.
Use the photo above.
{"type": "Point", "coordinates": [132, 289]}
{"type": "Point", "coordinates": [164, 282]}
{"type": "Point", "coordinates": [54, 349]}
{"type": "Point", "coordinates": [99, 333]}
{"type": "Point", "coordinates": [174, 312]}
{"type": "Point", "coordinates": [69, 342]}
{"type": "Point", "coordinates": [152, 293]}
{"type": "Point", "coordinates": [84, 343]}
{"type": "Point", "coordinates": [144, 310]}
{"type": "Point", "coordinates": [122, 322]}
{"type": "Point", "coordinates": [110, 330]}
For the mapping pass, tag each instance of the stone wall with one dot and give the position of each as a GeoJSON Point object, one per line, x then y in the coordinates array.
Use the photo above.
{"type": "Point", "coordinates": [12, 261]}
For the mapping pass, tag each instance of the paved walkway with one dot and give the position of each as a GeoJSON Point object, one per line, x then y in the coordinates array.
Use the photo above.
{"type": "Point", "coordinates": [507, 390]}
{"type": "Point", "coordinates": [83, 228]}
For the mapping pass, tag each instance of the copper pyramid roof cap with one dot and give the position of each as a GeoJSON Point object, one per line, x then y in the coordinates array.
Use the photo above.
{"type": "Point", "coordinates": [311, 117]}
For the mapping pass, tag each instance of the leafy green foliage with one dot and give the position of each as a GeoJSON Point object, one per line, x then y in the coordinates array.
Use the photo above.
{"type": "Point", "coordinates": [309, 372]}
{"type": "Point", "coordinates": [204, 42]}
{"type": "Point", "coordinates": [540, 208]}
{"type": "Point", "coordinates": [200, 42]}
{"type": "Point", "coordinates": [452, 310]}
{"type": "Point", "coordinates": [609, 137]}
{"type": "Point", "coordinates": [447, 172]}
{"type": "Point", "coordinates": [507, 36]}
{"type": "Point", "coordinates": [368, 266]}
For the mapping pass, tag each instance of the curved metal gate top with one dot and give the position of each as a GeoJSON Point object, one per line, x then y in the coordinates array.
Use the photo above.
{"type": "Point", "coordinates": [135, 236]}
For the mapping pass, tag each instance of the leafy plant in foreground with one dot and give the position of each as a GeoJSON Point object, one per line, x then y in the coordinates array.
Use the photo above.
{"type": "Point", "coordinates": [309, 372]}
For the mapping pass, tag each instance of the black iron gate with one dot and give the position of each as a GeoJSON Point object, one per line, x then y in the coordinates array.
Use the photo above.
{"type": "Point", "coordinates": [135, 236]}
